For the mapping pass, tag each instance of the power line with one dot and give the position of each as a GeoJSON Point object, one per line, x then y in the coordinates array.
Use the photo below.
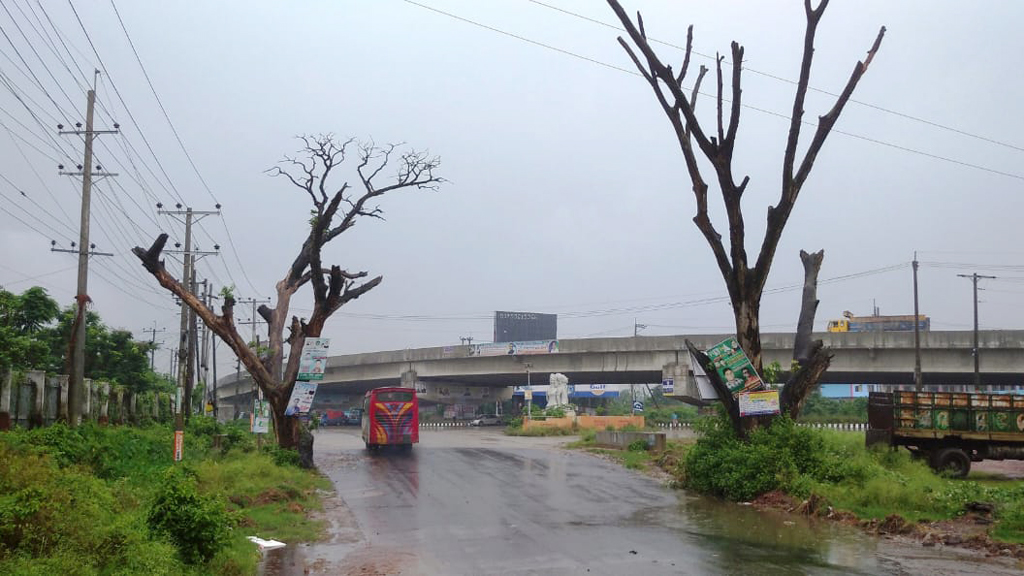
{"type": "Point", "coordinates": [792, 82]}
{"type": "Point", "coordinates": [755, 108]}
{"type": "Point", "coordinates": [161, 104]}
{"type": "Point", "coordinates": [123, 103]}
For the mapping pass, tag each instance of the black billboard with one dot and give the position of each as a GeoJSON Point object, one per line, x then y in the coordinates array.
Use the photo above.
{"type": "Point", "coordinates": [523, 326]}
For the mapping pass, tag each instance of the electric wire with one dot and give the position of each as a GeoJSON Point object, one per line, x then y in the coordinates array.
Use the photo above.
{"type": "Point", "coordinates": [792, 82]}
{"type": "Point", "coordinates": [725, 100]}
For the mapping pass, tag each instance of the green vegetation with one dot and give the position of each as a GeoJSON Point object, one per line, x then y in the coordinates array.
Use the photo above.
{"type": "Point", "coordinates": [109, 500]}
{"type": "Point", "coordinates": [34, 335]}
{"type": "Point", "coordinates": [817, 408]}
{"type": "Point", "coordinates": [833, 469]}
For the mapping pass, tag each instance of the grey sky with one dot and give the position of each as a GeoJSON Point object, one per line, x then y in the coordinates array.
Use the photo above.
{"type": "Point", "coordinates": [567, 194]}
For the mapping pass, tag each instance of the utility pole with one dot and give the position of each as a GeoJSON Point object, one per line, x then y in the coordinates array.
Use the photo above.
{"type": "Point", "coordinates": [976, 352]}
{"type": "Point", "coordinates": [918, 377]}
{"type": "Point", "coordinates": [184, 345]}
{"type": "Point", "coordinates": [466, 340]}
{"type": "Point", "coordinates": [152, 344]}
{"type": "Point", "coordinates": [255, 318]}
{"type": "Point", "coordinates": [637, 328]}
{"type": "Point", "coordinates": [76, 383]}
{"type": "Point", "coordinates": [254, 391]}
{"type": "Point", "coordinates": [204, 347]}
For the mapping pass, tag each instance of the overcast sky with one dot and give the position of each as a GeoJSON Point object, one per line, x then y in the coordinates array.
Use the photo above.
{"type": "Point", "coordinates": [567, 192]}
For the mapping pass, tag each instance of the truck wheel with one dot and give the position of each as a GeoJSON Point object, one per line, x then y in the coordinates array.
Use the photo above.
{"type": "Point", "coordinates": [952, 460]}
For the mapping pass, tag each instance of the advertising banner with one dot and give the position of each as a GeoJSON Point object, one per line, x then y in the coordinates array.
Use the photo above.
{"type": "Point", "coordinates": [313, 362]}
{"type": "Point", "coordinates": [301, 399]}
{"type": "Point", "coordinates": [734, 367]}
{"type": "Point", "coordinates": [260, 422]}
{"type": "Point", "coordinates": [759, 403]}
{"type": "Point", "coordinates": [514, 348]}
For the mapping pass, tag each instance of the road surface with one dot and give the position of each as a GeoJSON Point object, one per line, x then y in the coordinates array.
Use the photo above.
{"type": "Point", "coordinates": [473, 501]}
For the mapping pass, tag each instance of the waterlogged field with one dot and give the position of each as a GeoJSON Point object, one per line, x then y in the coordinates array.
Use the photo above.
{"type": "Point", "coordinates": [109, 500]}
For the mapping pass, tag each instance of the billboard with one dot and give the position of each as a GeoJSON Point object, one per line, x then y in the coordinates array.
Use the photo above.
{"type": "Point", "coordinates": [524, 326]}
{"type": "Point", "coordinates": [514, 348]}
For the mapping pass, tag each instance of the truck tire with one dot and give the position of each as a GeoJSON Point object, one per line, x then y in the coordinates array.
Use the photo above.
{"type": "Point", "coordinates": [954, 461]}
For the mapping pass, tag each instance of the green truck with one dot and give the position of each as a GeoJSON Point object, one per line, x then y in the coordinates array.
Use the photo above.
{"type": "Point", "coordinates": [949, 429]}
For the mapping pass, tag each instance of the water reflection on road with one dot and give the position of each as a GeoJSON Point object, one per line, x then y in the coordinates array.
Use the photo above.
{"type": "Point", "coordinates": [476, 502]}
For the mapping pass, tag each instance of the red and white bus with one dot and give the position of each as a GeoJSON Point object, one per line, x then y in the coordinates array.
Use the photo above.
{"type": "Point", "coordinates": [391, 416]}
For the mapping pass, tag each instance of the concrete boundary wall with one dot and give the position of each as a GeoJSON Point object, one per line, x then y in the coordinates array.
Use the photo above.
{"type": "Point", "coordinates": [621, 440]}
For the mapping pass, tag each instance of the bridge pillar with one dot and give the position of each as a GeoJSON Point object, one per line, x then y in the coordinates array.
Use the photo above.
{"type": "Point", "coordinates": [685, 385]}
{"type": "Point", "coordinates": [408, 379]}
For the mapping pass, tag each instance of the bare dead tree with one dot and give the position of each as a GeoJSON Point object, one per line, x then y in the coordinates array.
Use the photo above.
{"type": "Point", "coordinates": [336, 209]}
{"type": "Point", "coordinates": [745, 283]}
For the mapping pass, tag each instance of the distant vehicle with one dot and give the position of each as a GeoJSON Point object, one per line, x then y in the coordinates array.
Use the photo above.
{"type": "Point", "coordinates": [879, 323]}
{"type": "Point", "coordinates": [390, 416]}
{"type": "Point", "coordinates": [949, 429]}
{"type": "Point", "coordinates": [353, 417]}
{"type": "Point", "coordinates": [486, 420]}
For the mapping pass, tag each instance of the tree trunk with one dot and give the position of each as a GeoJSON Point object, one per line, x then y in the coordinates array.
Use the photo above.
{"type": "Point", "coordinates": [748, 327]}
{"type": "Point", "coordinates": [804, 379]}
{"type": "Point", "coordinates": [808, 305]}
{"type": "Point", "coordinates": [286, 428]}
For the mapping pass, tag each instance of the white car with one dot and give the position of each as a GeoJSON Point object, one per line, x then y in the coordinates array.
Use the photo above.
{"type": "Point", "coordinates": [486, 420]}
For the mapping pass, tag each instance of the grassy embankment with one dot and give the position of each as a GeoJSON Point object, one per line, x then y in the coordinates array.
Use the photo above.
{"type": "Point", "coordinates": [832, 471]}
{"type": "Point", "coordinates": [109, 500]}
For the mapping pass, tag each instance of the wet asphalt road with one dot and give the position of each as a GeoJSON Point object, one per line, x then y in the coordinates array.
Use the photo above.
{"type": "Point", "coordinates": [479, 502]}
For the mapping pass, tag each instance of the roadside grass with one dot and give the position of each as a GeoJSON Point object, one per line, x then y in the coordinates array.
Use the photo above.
{"type": "Point", "coordinates": [834, 467]}
{"type": "Point", "coordinates": [79, 501]}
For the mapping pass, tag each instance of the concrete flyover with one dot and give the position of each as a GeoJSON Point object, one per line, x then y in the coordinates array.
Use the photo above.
{"type": "Point", "coordinates": [869, 357]}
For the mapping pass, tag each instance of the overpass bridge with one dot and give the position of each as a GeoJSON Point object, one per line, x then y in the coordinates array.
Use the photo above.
{"type": "Point", "coordinates": [445, 373]}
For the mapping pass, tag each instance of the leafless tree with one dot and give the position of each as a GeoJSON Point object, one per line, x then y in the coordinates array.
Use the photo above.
{"type": "Point", "coordinates": [336, 209]}
{"type": "Point", "coordinates": [744, 282]}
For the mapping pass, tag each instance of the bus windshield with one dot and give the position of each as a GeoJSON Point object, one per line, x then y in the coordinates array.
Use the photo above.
{"type": "Point", "coordinates": [395, 396]}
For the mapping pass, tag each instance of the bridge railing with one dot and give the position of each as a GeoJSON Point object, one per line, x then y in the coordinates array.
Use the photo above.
{"type": "Point", "coordinates": [444, 424]}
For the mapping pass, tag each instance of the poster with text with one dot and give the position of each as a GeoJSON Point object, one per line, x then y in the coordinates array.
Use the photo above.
{"type": "Point", "coordinates": [734, 367]}
{"type": "Point", "coordinates": [514, 348]}
{"type": "Point", "coordinates": [759, 403]}
{"type": "Point", "coordinates": [313, 362]}
{"type": "Point", "coordinates": [301, 399]}
{"type": "Point", "coordinates": [260, 417]}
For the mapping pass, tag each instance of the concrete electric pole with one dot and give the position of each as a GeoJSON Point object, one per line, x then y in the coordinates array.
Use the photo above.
{"type": "Point", "coordinates": [185, 343]}
{"type": "Point", "coordinates": [76, 383]}
{"type": "Point", "coordinates": [976, 352]}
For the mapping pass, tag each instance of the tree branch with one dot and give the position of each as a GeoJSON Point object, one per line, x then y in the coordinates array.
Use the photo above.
{"type": "Point", "coordinates": [222, 325]}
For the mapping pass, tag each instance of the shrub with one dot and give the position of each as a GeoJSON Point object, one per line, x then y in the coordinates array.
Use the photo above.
{"type": "Point", "coordinates": [197, 525]}
{"type": "Point", "coordinates": [782, 455]}
{"type": "Point", "coordinates": [282, 456]}
{"type": "Point", "coordinates": [638, 445]}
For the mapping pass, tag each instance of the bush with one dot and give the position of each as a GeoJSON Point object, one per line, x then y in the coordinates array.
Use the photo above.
{"type": "Point", "coordinates": [781, 456]}
{"type": "Point", "coordinates": [638, 445]}
{"type": "Point", "coordinates": [197, 525]}
{"type": "Point", "coordinates": [282, 456]}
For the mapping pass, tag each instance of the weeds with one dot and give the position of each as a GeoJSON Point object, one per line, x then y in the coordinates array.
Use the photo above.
{"type": "Point", "coordinates": [90, 500]}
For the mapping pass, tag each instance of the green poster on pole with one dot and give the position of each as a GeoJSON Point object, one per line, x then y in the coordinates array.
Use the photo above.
{"type": "Point", "coordinates": [734, 367]}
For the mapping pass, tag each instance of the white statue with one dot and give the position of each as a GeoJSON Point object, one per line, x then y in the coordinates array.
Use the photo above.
{"type": "Point", "coordinates": [558, 392]}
